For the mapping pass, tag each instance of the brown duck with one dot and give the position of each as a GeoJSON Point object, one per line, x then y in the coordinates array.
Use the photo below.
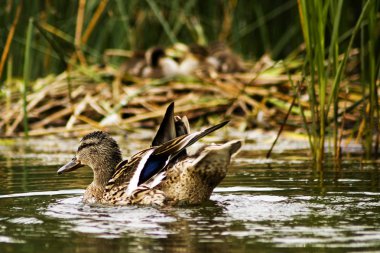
{"type": "Point", "coordinates": [163, 174]}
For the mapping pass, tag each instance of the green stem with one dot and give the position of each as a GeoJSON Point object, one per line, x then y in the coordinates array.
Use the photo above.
{"type": "Point", "coordinates": [162, 20]}
{"type": "Point", "coordinates": [27, 61]}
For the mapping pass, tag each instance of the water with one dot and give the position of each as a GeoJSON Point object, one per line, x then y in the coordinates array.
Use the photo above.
{"type": "Point", "coordinates": [275, 205]}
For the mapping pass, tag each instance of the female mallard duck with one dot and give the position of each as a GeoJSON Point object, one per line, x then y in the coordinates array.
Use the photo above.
{"type": "Point", "coordinates": [161, 175]}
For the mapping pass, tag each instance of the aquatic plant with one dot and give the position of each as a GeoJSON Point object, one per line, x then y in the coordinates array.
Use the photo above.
{"type": "Point", "coordinates": [325, 65]}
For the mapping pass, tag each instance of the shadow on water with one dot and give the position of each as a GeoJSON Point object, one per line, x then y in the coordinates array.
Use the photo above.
{"type": "Point", "coordinates": [263, 205]}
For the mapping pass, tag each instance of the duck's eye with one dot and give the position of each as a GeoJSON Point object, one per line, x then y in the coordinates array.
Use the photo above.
{"type": "Point", "coordinates": [85, 145]}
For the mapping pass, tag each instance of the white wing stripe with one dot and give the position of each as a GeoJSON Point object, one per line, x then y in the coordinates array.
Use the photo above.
{"type": "Point", "coordinates": [157, 179]}
{"type": "Point", "coordinates": [135, 178]}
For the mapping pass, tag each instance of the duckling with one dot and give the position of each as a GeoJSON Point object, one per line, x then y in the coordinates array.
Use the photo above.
{"type": "Point", "coordinates": [159, 175]}
{"type": "Point", "coordinates": [135, 65]}
{"type": "Point", "coordinates": [193, 59]}
{"type": "Point", "coordinates": [158, 64]}
{"type": "Point", "coordinates": [153, 63]}
{"type": "Point", "coordinates": [223, 59]}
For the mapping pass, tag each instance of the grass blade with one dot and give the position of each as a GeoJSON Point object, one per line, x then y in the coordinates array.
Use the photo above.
{"type": "Point", "coordinates": [162, 20]}
{"type": "Point", "coordinates": [27, 65]}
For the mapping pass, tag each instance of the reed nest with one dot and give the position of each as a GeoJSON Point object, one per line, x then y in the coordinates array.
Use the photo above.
{"type": "Point", "coordinates": [93, 97]}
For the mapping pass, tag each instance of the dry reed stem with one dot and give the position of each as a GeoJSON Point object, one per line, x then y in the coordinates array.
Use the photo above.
{"type": "Point", "coordinates": [51, 118]}
{"type": "Point", "coordinates": [141, 103]}
{"type": "Point", "coordinates": [78, 33]}
{"type": "Point", "coordinates": [79, 129]}
{"type": "Point", "coordinates": [10, 38]}
{"type": "Point", "coordinates": [94, 20]}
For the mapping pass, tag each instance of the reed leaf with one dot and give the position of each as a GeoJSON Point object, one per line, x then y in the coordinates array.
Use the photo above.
{"type": "Point", "coordinates": [27, 65]}
{"type": "Point", "coordinates": [162, 21]}
{"type": "Point", "coordinates": [10, 38]}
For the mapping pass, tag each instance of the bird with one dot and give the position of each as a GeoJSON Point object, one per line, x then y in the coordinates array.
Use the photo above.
{"type": "Point", "coordinates": [159, 65]}
{"type": "Point", "coordinates": [223, 59]}
{"type": "Point", "coordinates": [193, 58]}
{"type": "Point", "coordinates": [152, 63]}
{"type": "Point", "coordinates": [217, 57]}
{"type": "Point", "coordinates": [161, 175]}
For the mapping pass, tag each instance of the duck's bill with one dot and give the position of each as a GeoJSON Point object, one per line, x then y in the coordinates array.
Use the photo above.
{"type": "Point", "coordinates": [72, 165]}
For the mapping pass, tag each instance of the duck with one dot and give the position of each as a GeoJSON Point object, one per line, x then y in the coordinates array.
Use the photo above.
{"type": "Point", "coordinates": [153, 63]}
{"type": "Point", "coordinates": [134, 65]}
{"type": "Point", "coordinates": [193, 58]}
{"type": "Point", "coordinates": [161, 175]}
{"type": "Point", "coordinates": [160, 65]}
{"type": "Point", "coordinates": [223, 60]}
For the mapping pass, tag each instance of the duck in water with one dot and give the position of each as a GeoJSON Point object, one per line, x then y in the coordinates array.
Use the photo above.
{"type": "Point", "coordinates": [163, 174]}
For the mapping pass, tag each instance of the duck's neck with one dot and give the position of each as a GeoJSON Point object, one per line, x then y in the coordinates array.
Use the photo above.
{"type": "Point", "coordinates": [101, 177]}
{"type": "Point", "coordinates": [102, 174]}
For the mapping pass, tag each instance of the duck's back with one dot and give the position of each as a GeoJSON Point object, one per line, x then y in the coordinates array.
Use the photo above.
{"type": "Point", "coordinates": [192, 180]}
{"type": "Point", "coordinates": [116, 188]}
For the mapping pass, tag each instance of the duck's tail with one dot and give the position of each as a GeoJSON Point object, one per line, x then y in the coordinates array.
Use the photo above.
{"type": "Point", "coordinates": [212, 164]}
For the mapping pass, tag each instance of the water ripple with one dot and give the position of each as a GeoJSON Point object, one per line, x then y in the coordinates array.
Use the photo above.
{"type": "Point", "coordinates": [43, 193]}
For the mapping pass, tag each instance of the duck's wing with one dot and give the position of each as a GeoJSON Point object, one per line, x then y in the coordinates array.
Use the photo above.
{"type": "Point", "coordinates": [125, 170]}
{"type": "Point", "coordinates": [155, 159]}
{"type": "Point", "coordinates": [167, 129]}
{"type": "Point", "coordinates": [134, 66]}
{"type": "Point", "coordinates": [171, 127]}
{"type": "Point", "coordinates": [182, 125]}
{"type": "Point", "coordinates": [176, 145]}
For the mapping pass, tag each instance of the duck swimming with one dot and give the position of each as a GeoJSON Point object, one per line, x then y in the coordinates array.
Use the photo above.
{"type": "Point", "coordinates": [163, 174]}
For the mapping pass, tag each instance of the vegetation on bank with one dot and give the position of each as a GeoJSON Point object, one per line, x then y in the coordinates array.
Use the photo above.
{"type": "Point", "coordinates": [311, 65]}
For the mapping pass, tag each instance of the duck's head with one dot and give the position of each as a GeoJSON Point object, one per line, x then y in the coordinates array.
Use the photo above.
{"type": "Point", "coordinates": [100, 152]}
{"type": "Point", "coordinates": [159, 64]}
{"type": "Point", "coordinates": [154, 55]}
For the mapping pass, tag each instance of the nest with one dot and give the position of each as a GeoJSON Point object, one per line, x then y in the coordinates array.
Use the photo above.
{"type": "Point", "coordinates": [89, 98]}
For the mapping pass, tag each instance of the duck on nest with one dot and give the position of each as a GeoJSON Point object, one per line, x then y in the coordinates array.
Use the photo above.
{"type": "Point", "coordinates": [223, 59]}
{"type": "Point", "coordinates": [163, 174]}
{"type": "Point", "coordinates": [154, 63]}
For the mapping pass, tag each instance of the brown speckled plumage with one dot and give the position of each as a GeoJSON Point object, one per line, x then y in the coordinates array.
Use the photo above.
{"type": "Point", "coordinates": [161, 175]}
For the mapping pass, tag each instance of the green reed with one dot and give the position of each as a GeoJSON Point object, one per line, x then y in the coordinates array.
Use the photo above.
{"type": "Point", "coordinates": [370, 67]}
{"type": "Point", "coordinates": [248, 26]}
{"type": "Point", "coordinates": [313, 22]}
{"type": "Point", "coordinates": [27, 69]}
{"type": "Point", "coordinates": [325, 69]}
{"type": "Point", "coordinates": [8, 88]}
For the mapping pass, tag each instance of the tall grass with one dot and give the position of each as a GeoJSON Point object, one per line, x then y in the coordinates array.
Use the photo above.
{"type": "Point", "coordinates": [252, 28]}
{"type": "Point", "coordinates": [314, 21]}
{"type": "Point", "coordinates": [370, 68]}
{"type": "Point", "coordinates": [27, 68]}
{"type": "Point", "coordinates": [248, 26]}
{"type": "Point", "coordinates": [325, 69]}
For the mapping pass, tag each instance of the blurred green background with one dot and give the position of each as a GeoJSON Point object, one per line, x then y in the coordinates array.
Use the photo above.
{"type": "Point", "coordinates": [251, 28]}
